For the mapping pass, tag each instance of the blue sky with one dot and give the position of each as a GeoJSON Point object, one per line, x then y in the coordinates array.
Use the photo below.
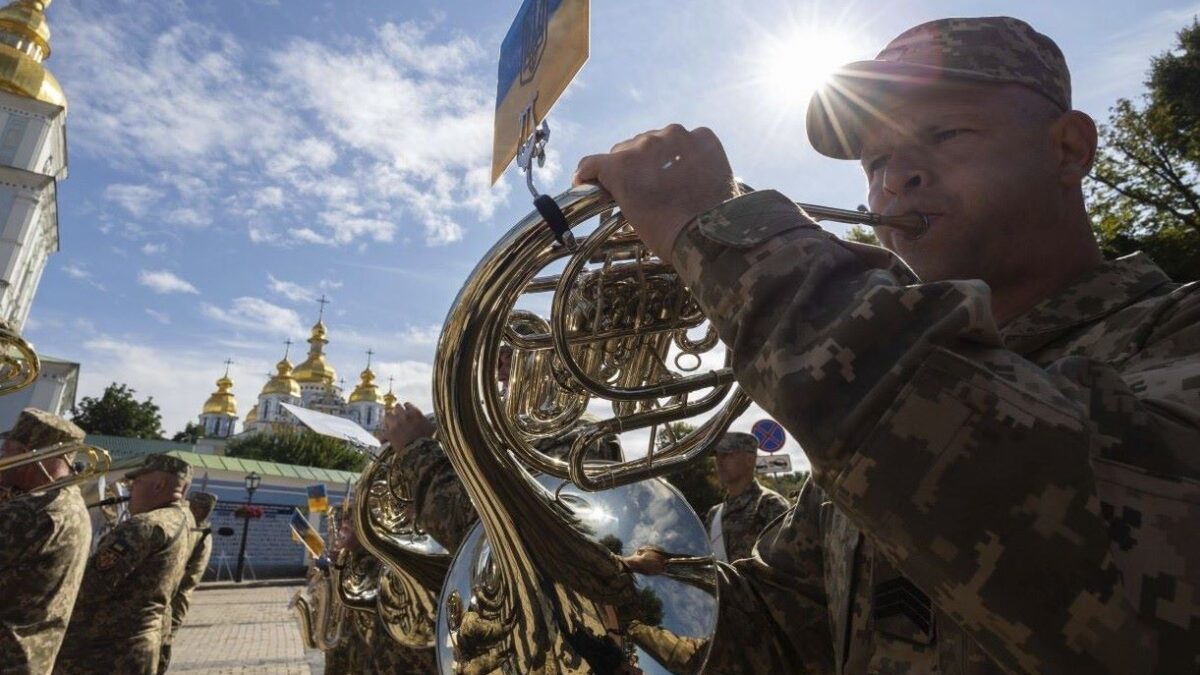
{"type": "Point", "coordinates": [231, 161]}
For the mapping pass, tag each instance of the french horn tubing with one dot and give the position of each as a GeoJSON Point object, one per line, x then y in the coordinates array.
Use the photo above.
{"type": "Point", "coordinates": [535, 588]}
{"type": "Point", "coordinates": [19, 363]}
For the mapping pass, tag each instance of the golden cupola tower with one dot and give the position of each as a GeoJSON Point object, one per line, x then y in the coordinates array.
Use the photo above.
{"type": "Point", "coordinates": [366, 405]}
{"type": "Point", "coordinates": [389, 399]}
{"type": "Point", "coordinates": [283, 383]}
{"type": "Point", "coordinates": [24, 45]}
{"type": "Point", "coordinates": [315, 369]}
{"type": "Point", "coordinates": [219, 415]}
{"type": "Point", "coordinates": [366, 391]}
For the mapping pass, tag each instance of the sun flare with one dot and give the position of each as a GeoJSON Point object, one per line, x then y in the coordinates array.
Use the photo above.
{"type": "Point", "coordinates": [795, 65]}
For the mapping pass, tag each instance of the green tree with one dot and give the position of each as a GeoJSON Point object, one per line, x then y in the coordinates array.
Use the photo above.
{"type": "Point", "coordinates": [787, 484]}
{"type": "Point", "coordinates": [118, 413]}
{"type": "Point", "coordinates": [191, 433]}
{"type": "Point", "coordinates": [862, 235]}
{"type": "Point", "coordinates": [301, 447]}
{"type": "Point", "coordinates": [1144, 190]}
{"type": "Point", "coordinates": [698, 480]}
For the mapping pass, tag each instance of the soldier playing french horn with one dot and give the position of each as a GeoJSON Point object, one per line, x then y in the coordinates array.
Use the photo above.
{"type": "Point", "coordinates": [1002, 425]}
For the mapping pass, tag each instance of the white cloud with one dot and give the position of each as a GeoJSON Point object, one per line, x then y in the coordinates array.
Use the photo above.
{"type": "Point", "coordinates": [291, 290]}
{"type": "Point", "coordinates": [179, 380]}
{"type": "Point", "coordinates": [374, 136]}
{"type": "Point", "coordinates": [136, 199]}
{"type": "Point", "coordinates": [256, 315]}
{"type": "Point", "coordinates": [164, 281]}
{"type": "Point", "coordinates": [153, 249]}
{"type": "Point", "coordinates": [79, 272]}
{"type": "Point", "coordinates": [188, 217]}
{"type": "Point", "coordinates": [269, 197]}
{"type": "Point", "coordinates": [161, 317]}
{"type": "Point", "coordinates": [76, 272]}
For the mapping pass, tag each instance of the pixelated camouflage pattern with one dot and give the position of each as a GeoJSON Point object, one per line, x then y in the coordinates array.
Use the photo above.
{"type": "Point", "coordinates": [165, 463]}
{"type": "Point", "coordinates": [737, 441]}
{"type": "Point", "coordinates": [38, 429]}
{"type": "Point", "coordinates": [124, 601]}
{"type": "Point", "coordinates": [193, 572]}
{"type": "Point", "coordinates": [44, 541]}
{"type": "Point", "coordinates": [998, 49]}
{"type": "Point", "coordinates": [369, 650]}
{"type": "Point", "coordinates": [984, 499]}
{"type": "Point", "coordinates": [441, 504]}
{"type": "Point", "coordinates": [745, 516]}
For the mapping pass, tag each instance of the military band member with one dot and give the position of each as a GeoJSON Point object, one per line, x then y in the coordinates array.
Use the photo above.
{"type": "Point", "coordinates": [44, 540]}
{"type": "Point", "coordinates": [201, 505]}
{"type": "Point", "coordinates": [1003, 431]}
{"type": "Point", "coordinates": [734, 524]}
{"type": "Point", "coordinates": [125, 599]}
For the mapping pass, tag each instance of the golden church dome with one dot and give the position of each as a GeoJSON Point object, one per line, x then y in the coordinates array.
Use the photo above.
{"type": "Point", "coordinates": [366, 391]}
{"type": "Point", "coordinates": [251, 417]}
{"type": "Point", "coordinates": [24, 45]}
{"type": "Point", "coordinates": [221, 402]}
{"type": "Point", "coordinates": [282, 382]}
{"type": "Point", "coordinates": [389, 400]}
{"type": "Point", "coordinates": [315, 369]}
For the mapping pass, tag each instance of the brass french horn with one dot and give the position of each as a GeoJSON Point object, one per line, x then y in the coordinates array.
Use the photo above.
{"type": "Point", "coordinates": [541, 588]}
{"type": "Point", "coordinates": [544, 591]}
{"type": "Point", "coordinates": [19, 363]}
{"type": "Point", "coordinates": [414, 565]}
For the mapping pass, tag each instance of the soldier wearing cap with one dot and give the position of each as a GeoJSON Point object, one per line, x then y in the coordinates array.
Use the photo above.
{"type": "Point", "coordinates": [44, 540]}
{"type": "Point", "coordinates": [734, 524]}
{"type": "Point", "coordinates": [125, 600]}
{"type": "Point", "coordinates": [201, 505]}
{"type": "Point", "coordinates": [1003, 426]}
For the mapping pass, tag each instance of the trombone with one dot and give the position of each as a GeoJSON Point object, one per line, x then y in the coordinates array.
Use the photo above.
{"type": "Point", "coordinates": [96, 462]}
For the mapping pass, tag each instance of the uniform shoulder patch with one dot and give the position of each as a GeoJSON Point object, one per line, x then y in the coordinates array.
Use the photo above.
{"type": "Point", "coordinates": [108, 556]}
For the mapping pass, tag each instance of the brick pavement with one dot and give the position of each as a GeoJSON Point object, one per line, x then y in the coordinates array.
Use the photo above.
{"type": "Point", "coordinates": [242, 631]}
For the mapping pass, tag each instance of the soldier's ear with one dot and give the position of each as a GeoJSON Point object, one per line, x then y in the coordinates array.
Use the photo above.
{"type": "Point", "coordinates": [1074, 136]}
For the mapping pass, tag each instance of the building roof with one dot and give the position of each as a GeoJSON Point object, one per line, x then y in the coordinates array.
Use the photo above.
{"type": "Point", "coordinates": [242, 465]}
{"type": "Point", "coordinates": [122, 448]}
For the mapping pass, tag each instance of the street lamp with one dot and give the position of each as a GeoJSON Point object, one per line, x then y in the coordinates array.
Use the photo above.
{"type": "Point", "coordinates": [252, 482]}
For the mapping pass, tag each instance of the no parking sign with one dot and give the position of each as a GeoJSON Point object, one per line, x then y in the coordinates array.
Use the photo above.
{"type": "Point", "coordinates": [769, 434]}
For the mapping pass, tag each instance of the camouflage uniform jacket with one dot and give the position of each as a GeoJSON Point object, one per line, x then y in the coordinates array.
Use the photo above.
{"type": "Point", "coordinates": [44, 540]}
{"type": "Point", "coordinates": [193, 572]}
{"type": "Point", "coordinates": [126, 594]}
{"type": "Point", "coordinates": [442, 505]}
{"type": "Point", "coordinates": [744, 516]}
{"type": "Point", "coordinates": [1033, 487]}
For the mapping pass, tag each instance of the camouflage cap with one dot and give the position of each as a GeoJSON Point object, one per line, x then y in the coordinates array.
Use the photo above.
{"type": "Point", "coordinates": [202, 504]}
{"type": "Point", "coordinates": [167, 463]}
{"type": "Point", "coordinates": [998, 49]}
{"type": "Point", "coordinates": [737, 441]}
{"type": "Point", "coordinates": [38, 429]}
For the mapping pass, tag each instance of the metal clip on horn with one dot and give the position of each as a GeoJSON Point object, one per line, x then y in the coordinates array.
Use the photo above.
{"type": "Point", "coordinates": [534, 148]}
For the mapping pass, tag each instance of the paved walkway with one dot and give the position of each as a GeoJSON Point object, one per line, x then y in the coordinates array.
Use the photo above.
{"type": "Point", "coordinates": [243, 631]}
